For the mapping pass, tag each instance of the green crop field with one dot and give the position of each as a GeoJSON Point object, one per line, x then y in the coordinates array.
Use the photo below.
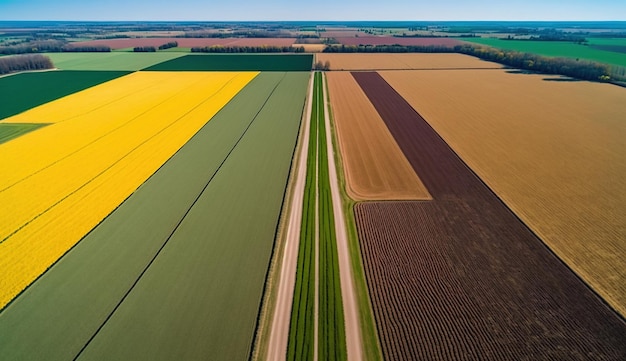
{"type": "Point", "coordinates": [237, 62]}
{"type": "Point", "coordinates": [28, 90]}
{"type": "Point", "coordinates": [9, 131]}
{"type": "Point", "coordinates": [330, 318]}
{"type": "Point", "coordinates": [554, 49]}
{"type": "Point", "coordinates": [178, 270]}
{"type": "Point", "coordinates": [607, 41]}
{"type": "Point", "coordinates": [109, 61]}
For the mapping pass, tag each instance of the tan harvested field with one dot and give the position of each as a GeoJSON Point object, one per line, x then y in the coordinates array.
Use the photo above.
{"type": "Point", "coordinates": [552, 150]}
{"type": "Point", "coordinates": [311, 48]}
{"type": "Point", "coordinates": [375, 167]}
{"type": "Point", "coordinates": [378, 61]}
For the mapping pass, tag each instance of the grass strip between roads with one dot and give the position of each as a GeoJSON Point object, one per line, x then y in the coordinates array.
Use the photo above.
{"type": "Point", "coordinates": [332, 341]}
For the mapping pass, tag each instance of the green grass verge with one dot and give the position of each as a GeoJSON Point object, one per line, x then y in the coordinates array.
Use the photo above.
{"type": "Point", "coordinates": [554, 49]}
{"type": "Point", "coordinates": [178, 270]}
{"type": "Point", "coordinates": [301, 328]}
{"type": "Point", "coordinates": [371, 343]}
{"type": "Point", "coordinates": [23, 91]}
{"type": "Point", "coordinates": [128, 61]}
{"type": "Point", "coordinates": [332, 331]}
{"type": "Point", "coordinates": [331, 327]}
{"type": "Point", "coordinates": [10, 131]}
{"type": "Point", "coordinates": [237, 62]}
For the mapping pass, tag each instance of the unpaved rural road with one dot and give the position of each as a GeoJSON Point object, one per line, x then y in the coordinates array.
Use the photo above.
{"type": "Point", "coordinates": [354, 342]}
{"type": "Point", "coordinates": [279, 333]}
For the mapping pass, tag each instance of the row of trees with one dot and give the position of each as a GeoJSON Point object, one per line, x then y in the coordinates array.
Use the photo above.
{"type": "Point", "coordinates": [586, 70]}
{"type": "Point", "coordinates": [248, 49]}
{"type": "Point", "coordinates": [322, 65]}
{"type": "Point", "coordinates": [144, 49]}
{"type": "Point", "coordinates": [49, 46]}
{"type": "Point", "coordinates": [171, 44]}
{"type": "Point", "coordinates": [388, 49]}
{"type": "Point", "coordinates": [237, 34]}
{"type": "Point", "coordinates": [11, 64]}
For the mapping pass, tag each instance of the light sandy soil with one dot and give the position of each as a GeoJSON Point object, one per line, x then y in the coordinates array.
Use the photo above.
{"type": "Point", "coordinates": [354, 341]}
{"type": "Point", "coordinates": [375, 167]}
{"type": "Point", "coordinates": [552, 150]}
{"type": "Point", "coordinates": [279, 332]}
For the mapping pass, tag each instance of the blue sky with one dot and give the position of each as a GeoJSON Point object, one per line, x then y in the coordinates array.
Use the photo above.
{"type": "Point", "coordinates": [227, 10]}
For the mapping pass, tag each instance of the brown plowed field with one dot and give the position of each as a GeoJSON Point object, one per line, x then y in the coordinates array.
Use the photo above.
{"type": "Point", "coordinates": [186, 42]}
{"type": "Point", "coordinates": [552, 150]}
{"type": "Point", "coordinates": [374, 165]}
{"type": "Point", "coordinates": [390, 40]}
{"type": "Point", "coordinates": [403, 61]}
{"type": "Point", "coordinates": [461, 277]}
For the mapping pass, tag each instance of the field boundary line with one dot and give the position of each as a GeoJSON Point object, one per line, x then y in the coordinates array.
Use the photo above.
{"type": "Point", "coordinates": [175, 228]}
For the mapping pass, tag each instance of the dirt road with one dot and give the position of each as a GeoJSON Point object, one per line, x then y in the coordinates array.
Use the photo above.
{"type": "Point", "coordinates": [354, 342]}
{"type": "Point", "coordinates": [279, 333]}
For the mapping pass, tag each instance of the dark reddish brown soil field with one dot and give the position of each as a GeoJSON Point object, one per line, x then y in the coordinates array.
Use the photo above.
{"type": "Point", "coordinates": [461, 277]}
{"type": "Point", "coordinates": [613, 48]}
{"type": "Point", "coordinates": [186, 42]}
{"type": "Point", "coordinates": [390, 40]}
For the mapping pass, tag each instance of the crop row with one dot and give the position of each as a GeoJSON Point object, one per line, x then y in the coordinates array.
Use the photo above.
{"type": "Point", "coordinates": [178, 269]}
{"type": "Point", "coordinates": [317, 237]}
{"type": "Point", "coordinates": [462, 277]}
{"type": "Point", "coordinates": [61, 181]}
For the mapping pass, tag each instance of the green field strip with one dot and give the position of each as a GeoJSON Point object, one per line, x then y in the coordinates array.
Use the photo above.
{"type": "Point", "coordinates": [201, 297]}
{"type": "Point", "coordinates": [21, 92]}
{"type": "Point", "coordinates": [554, 49]}
{"type": "Point", "coordinates": [10, 131]}
{"type": "Point", "coordinates": [57, 315]}
{"type": "Point", "coordinates": [237, 62]}
{"type": "Point", "coordinates": [332, 333]}
{"type": "Point", "coordinates": [301, 328]}
{"type": "Point", "coordinates": [330, 319]}
{"type": "Point", "coordinates": [127, 61]}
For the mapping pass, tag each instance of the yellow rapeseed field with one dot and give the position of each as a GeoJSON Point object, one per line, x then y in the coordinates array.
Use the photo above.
{"type": "Point", "coordinates": [59, 182]}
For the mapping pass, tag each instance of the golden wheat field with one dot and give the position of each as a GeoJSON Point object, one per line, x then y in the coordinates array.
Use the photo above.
{"type": "Point", "coordinates": [552, 149]}
{"type": "Point", "coordinates": [59, 182]}
{"type": "Point", "coordinates": [403, 61]}
{"type": "Point", "coordinates": [375, 167]}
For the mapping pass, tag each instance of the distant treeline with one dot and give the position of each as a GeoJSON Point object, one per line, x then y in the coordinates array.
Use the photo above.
{"type": "Point", "coordinates": [152, 49]}
{"type": "Point", "coordinates": [49, 46]}
{"type": "Point", "coordinates": [171, 44]}
{"type": "Point", "coordinates": [16, 63]}
{"type": "Point", "coordinates": [247, 49]}
{"type": "Point", "coordinates": [144, 49]}
{"type": "Point", "coordinates": [238, 34]}
{"type": "Point", "coordinates": [389, 49]}
{"type": "Point", "coordinates": [579, 69]}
